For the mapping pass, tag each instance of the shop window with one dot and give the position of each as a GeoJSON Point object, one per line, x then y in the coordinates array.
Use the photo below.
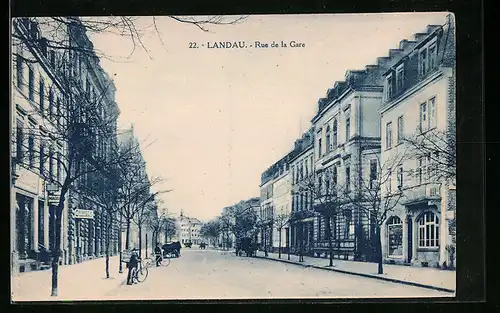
{"type": "Point", "coordinates": [428, 230]}
{"type": "Point", "coordinates": [395, 236]}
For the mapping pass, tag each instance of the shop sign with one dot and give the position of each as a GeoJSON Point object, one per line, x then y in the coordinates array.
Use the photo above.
{"type": "Point", "coordinates": [54, 198]}
{"type": "Point", "coordinates": [85, 214]}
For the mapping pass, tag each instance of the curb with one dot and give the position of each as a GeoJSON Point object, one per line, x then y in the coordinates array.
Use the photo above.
{"type": "Point", "coordinates": [393, 280]}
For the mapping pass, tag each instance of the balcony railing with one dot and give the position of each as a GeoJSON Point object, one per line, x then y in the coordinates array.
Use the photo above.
{"type": "Point", "coordinates": [423, 192]}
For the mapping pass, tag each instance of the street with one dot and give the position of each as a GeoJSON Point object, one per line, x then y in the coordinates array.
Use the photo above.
{"type": "Point", "coordinates": [211, 274]}
{"type": "Point", "coordinates": [208, 274]}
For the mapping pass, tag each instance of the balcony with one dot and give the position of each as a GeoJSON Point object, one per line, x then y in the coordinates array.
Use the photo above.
{"type": "Point", "coordinates": [422, 193]}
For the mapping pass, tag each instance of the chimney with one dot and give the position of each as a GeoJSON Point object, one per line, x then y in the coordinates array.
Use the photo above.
{"type": "Point", "coordinates": [420, 36]}
{"type": "Point", "coordinates": [382, 60]}
{"type": "Point", "coordinates": [431, 28]}
{"type": "Point", "coordinates": [403, 44]}
{"type": "Point", "coordinates": [394, 52]}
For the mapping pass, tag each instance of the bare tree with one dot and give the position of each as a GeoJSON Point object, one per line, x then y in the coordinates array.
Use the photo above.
{"type": "Point", "coordinates": [63, 33]}
{"type": "Point", "coordinates": [280, 220]}
{"type": "Point", "coordinates": [437, 148]}
{"type": "Point", "coordinates": [376, 196]}
{"type": "Point", "coordinates": [322, 193]}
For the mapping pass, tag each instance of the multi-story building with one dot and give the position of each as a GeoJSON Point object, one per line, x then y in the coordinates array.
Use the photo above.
{"type": "Point", "coordinates": [53, 87]}
{"type": "Point", "coordinates": [347, 138]}
{"type": "Point", "coordinates": [188, 229]}
{"type": "Point", "coordinates": [418, 119]}
{"type": "Point", "coordinates": [265, 214]}
{"type": "Point", "coordinates": [282, 200]}
{"type": "Point", "coordinates": [302, 216]}
{"type": "Point", "coordinates": [37, 89]}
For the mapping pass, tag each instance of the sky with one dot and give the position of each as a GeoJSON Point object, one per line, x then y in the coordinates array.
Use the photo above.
{"type": "Point", "coordinates": [210, 121]}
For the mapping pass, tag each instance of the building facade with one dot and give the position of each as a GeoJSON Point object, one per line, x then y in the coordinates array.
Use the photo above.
{"type": "Point", "coordinates": [401, 111]}
{"type": "Point", "coordinates": [418, 118]}
{"type": "Point", "coordinates": [51, 85]}
{"type": "Point", "coordinates": [188, 229]}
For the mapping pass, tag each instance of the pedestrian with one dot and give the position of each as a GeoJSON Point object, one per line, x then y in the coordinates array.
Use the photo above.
{"type": "Point", "coordinates": [132, 265]}
{"type": "Point", "coordinates": [158, 254]}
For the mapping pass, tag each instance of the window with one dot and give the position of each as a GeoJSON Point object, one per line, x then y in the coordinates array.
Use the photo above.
{"type": "Point", "coordinates": [373, 173]}
{"type": "Point", "coordinates": [348, 178]}
{"type": "Point", "coordinates": [390, 82]}
{"type": "Point", "coordinates": [432, 112]}
{"type": "Point", "coordinates": [31, 84]}
{"type": "Point", "coordinates": [423, 117]}
{"type": "Point", "coordinates": [58, 111]}
{"type": "Point", "coordinates": [423, 62]}
{"type": "Point", "coordinates": [19, 71]}
{"type": "Point", "coordinates": [53, 58]}
{"type": "Point", "coordinates": [334, 175]}
{"type": "Point", "coordinates": [395, 236]}
{"type": "Point", "coordinates": [327, 184]}
{"type": "Point", "coordinates": [388, 135]}
{"type": "Point", "coordinates": [19, 141]}
{"type": "Point", "coordinates": [335, 134]}
{"type": "Point", "coordinates": [51, 102]}
{"type": "Point", "coordinates": [327, 139]}
{"type": "Point", "coordinates": [400, 77]}
{"type": "Point", "coordinates": [347, 127]}
{"type": "Point", "coordinates": [389, 180]}
{"type": "Point", "coordinates": [58, 167]}
{"type": "Point", "coordinates": [422, 171]}
{"type": "Point", "coordinates": [42, 95]}
{"type": "Point", "coordinates": [400, 129]}
{"type": "Point", "coordinates": [31, 150]}
{"type": "Point", "coordinates": [428, 230]}
{"type": "Point", "coordinates": [319, 147]}
{"type": "Point", "coordinates": [307, 168]}
{"type": "Point", "coordinates": [42, 159]}
{"type": "Point", "coordinates": [400, 177]}
{"type": "Point", "coordinates": [320, 184]}
{"type": "Point", "coordinates": [432, 56]}
{"type": "Point", "coordinates": [51, 164]}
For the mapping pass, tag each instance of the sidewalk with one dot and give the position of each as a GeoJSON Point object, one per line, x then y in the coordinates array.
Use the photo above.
{"type": "Point", "coordinates": [423, 277]}
{"type": "Point", "coordinates": [82, 281]}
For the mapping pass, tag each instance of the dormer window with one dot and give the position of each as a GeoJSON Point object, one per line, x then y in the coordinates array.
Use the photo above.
{"type": "Point", "coordinates": [389, 84]}
{"type": "Point", "coordinates": [427, 58]}
{"type": "Point", "coordinates": [400, 77]}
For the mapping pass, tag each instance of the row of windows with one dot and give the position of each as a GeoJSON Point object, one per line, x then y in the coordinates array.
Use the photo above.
{"type": "Point", "coordinates": [27, 156]}
{"type": "Point", "coordinates": [396, 81]}
{"type": "Point", "coordinates": [428, 233]}
{"type": "Point", "coordinates": [331, 135]}
{"type": "Point", "coordinates": [302, 169]}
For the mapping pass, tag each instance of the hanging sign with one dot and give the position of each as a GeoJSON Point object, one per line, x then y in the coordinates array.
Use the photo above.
{"type": "Point", "coordinates": [85, 214]}
{"type": "Point", "coordinates": [53, 198]}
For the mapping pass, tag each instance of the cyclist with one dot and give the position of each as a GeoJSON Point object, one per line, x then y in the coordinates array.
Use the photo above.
{"type": "Point", "coordinates": [158, 254]}
{"type": "Point", "coordinates": [132, 266]}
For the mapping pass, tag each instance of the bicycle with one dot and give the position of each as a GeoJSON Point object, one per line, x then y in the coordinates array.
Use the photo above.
{"type": "Point", "coordinates": [151, 261]}
{"type": "Point", "coordinates": [141, 273]}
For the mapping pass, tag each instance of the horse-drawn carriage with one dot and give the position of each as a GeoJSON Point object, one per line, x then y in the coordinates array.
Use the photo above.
{"type": "Point", "coordinates": [203, 245]}
{"type": "Point", "coordinates": [171, 250]}
{"type": "Point", "coordinates": [246, 245]}
{"type": "Point", "coordinates": [188, 244]}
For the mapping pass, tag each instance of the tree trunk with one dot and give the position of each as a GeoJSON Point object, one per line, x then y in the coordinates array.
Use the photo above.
{"type": "Point", "coordinates": [127, 235]}
{"type": "Point", "coordinates": [379, 250]}
{"type": "Point", "coordinates": [279, 248]}
{"type": "Point", "coordinates": [120, 266]}
{"type": "Point", "coordinates": [108, 239]}
{"type": "Point", "coordinates": [146, 244]}
{"type": "Point", "coordinates": [56, 252]}
{"type": "Point", "coordinates": [140, 241]}
{"type": "Point", "coordinates": [57, 244]}
{"type": "Point", "coordinates": [329, 238]}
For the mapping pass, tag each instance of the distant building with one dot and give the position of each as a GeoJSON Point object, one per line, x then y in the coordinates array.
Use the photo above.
{"type": "Point", "coordinates": [188, 229]}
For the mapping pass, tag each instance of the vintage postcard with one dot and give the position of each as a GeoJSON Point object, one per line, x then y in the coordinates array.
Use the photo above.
{"type": "Point", "coordinates": [233, 157]}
